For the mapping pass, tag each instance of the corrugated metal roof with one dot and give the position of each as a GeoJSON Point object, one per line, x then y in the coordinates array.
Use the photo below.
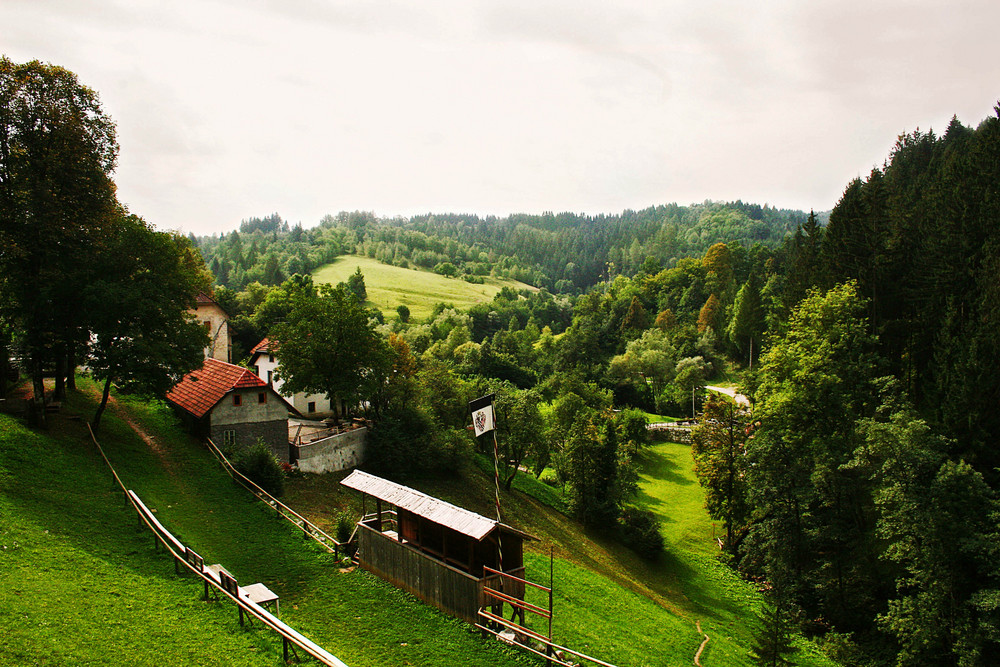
{"type": "Point", "coordinates": [451, 516]}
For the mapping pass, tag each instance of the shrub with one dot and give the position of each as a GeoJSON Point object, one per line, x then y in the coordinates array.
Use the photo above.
{"type": "Point", "coordinates": [260, 464]}
{"type": "Point", "coordinates": [345, 526]}
{"type": "Point", "coordinates": [406, 441]}
{"type": "Point", "coordinates": [641, 532]}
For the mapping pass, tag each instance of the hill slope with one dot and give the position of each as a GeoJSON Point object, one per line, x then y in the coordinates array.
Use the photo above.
{"type": "Point", "coordinates": [391, 286]}
{"type": "Point", "coordinates": [79, 582]}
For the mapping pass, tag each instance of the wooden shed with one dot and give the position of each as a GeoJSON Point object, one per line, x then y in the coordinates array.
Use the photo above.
{"type": "Point", "coordinates": [436, 550]}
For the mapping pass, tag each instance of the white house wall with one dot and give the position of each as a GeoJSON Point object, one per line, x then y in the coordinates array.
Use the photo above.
{"type": "Point", "coordinates": [267, 366]}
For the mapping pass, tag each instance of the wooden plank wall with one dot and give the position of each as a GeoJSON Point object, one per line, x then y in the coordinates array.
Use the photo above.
{"type": "Point", "coordinates": [434, 582]}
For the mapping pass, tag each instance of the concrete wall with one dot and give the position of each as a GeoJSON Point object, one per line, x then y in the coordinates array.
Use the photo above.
{"type": "Point", "coordinates": [216, 324]}
{"type": "Point", "coordinates": [338, 452]}
{"type": "Point", "coordinates": [274, 434]}
{"type": "Point", "coordinates": [252, 420]}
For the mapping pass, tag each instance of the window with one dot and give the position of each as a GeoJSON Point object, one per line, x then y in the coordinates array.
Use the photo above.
{"type": "Point", "coordinates": [229, 438]}
{"type": "Point", "coordinates": [312, 406]}
{"type": "Point", "coordinates": [270, 377]}
{"type": "Point", "coordinates": [208, 325]}
{"type": "Point", "coordinates": [270, 358]}
{"type": "Point", "coordinates": [237, 399]}
{"type": "Point", "coordinates": [262, 397]}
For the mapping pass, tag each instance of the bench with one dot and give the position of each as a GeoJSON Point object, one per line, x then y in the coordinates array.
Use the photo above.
{"type": "Point", "coordinates": [256, 593]}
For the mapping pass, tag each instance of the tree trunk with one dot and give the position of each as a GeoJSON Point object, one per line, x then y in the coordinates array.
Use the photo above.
{"type": "Point", "coordinates": [71, 367]}
{"type": "Point", "coordinates": [38, 388]}
{"type": "Point", "coordinates": [60, 391]}
{"type": "Point", "coordinates": [96, 421]}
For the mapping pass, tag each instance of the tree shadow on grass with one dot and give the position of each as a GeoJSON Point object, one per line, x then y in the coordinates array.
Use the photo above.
{"type": "Point", "coordinates": [659, 467]}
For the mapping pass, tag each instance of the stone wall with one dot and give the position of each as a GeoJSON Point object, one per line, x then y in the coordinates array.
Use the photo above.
{"type": "Point", "coordinates": [273, 433]}
{"type": "Point", "coordinates": [338, 452]}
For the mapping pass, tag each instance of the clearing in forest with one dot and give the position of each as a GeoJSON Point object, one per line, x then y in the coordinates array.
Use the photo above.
{"type": "Point", "coordinates": [391, 286]}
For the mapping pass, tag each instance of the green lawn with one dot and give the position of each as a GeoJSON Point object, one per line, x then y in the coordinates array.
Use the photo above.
{"type": "Point", "coordinates": [80, 583]}
{"type": "Point", "coordinates": [390, 286]}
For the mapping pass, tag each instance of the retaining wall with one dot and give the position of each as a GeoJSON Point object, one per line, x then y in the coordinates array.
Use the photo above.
{"type": "Point", "coordinates": [338, 452]}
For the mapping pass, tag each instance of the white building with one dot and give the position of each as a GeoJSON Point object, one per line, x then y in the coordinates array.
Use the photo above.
{"type": "Point", "coordinates": [310, 406]}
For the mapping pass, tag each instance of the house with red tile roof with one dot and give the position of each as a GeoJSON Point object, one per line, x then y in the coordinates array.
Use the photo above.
{"type": "Point", "coordinates": [311, 406]}
{"type": "Point", "coordinates": [233, 407]}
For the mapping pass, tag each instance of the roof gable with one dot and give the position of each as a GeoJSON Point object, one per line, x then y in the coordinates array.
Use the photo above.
{"type": "Point", "coordinates": [263, 347]}
{"type": "Point", "coordinates": [200, 390]}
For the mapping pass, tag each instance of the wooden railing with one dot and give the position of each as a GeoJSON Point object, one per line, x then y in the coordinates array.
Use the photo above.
{"type": "Point", "coordinates": [308, 528]}
{"type": "Point", "coordinates": [184, 556]}
{"type": "Point", "coordinates": [513, 593]}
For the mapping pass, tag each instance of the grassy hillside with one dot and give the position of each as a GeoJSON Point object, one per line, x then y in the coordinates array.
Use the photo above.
{"type": "Point", "coordinates": [81, 583]}
{"type": "Point", "coordinates": [390, 286]}
{"type": "Point", "coordinates": [609, 602]}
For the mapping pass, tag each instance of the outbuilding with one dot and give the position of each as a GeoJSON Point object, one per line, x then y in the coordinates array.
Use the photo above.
{"type": "Point", "coordinates": [445, 555]}
{"type": "Point", "coordinates": [233, 407]}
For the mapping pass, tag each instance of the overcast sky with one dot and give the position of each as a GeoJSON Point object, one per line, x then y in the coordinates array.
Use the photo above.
{"type": "Point", "coordinates": [235, 108]}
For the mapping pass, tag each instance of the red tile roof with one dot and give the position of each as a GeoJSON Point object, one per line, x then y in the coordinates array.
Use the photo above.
{"type": "Point", "coordinates": [262, 346]}
{"type": "Point", "coordinates": [204, 299]}
{"type": "Point", "coordinates": [200, 390]}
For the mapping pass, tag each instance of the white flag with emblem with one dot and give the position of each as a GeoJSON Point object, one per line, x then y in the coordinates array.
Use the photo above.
{"type": "Point", "coordinates": [482, 415]}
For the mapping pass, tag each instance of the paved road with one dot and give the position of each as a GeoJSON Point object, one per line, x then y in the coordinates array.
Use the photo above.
{"type": "Point", "coordinates": [739, 398]}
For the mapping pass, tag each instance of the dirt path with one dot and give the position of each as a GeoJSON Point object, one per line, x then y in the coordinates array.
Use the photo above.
{"type": "Point", "coordinates": [740, 399]}
{"type": "Point", "coordinates": [697, 656]}
{"type": "Point", "coordinates": [150, 440]}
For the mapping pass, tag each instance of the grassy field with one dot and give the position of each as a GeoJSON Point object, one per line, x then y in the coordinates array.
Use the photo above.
{"type": "Point", "coordinates": [623, 609]}
{"type": "Point", "coordinates": [81, 583]}
{"type": "Point", "coordinates": [391, 286]}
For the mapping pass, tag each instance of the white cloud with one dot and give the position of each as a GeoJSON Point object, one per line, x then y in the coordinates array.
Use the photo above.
{"type": "Point", "coordinates": [229, 109]}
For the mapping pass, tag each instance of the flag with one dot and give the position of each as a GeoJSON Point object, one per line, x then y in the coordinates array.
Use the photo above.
{"type": "Point", "coordinates": [482, 414]}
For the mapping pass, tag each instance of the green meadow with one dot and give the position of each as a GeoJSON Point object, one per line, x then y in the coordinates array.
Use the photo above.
{"type": "Point", "coordinates": [391, 286]}
{"type": "Point", "coordinates": [81, 583]}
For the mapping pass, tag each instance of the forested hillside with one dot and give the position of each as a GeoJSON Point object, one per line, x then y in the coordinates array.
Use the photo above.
{"type": "Point", "coordinates": [563, 253]}
{"type": "Point", "coordinates": [863, 487]}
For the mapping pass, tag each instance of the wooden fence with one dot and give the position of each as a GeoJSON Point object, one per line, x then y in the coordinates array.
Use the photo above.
{"type": "Point", "coordinates": [308, 528]}
{"type": "Point", "coordinates": [184, 556]}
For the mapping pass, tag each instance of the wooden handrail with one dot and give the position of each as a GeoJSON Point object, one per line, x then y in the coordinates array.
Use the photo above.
{"type": "Point", "coordinates": [175, 547]}
{"type": "Point", "coordinates": [310, 529]}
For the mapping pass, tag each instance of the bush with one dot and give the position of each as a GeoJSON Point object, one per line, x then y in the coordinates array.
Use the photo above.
{"type": "Point", "coordinates": [261, 466]}
{"type": "Point", "coordinates": [345, 526]}
{"type": "Point", "coordinates": [641, 532]}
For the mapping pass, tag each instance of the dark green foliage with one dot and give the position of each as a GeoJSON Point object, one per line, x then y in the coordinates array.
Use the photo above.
{"type": "Point", "coordinates": [406, 442]}
{"type": "Point", "coordinates": [774, 633]}
{"type": "Point", "coordinates": [632, 431]}
{"type": "Point", "coordinates": [261, 466]}
{"type": "Point", "coordinates": [57, 203]}
{"type": "Point", "coordinates": [345, 527]}
{"type": "Point", "coordinates": [142, 338]}
{"type": "Point", "coordinates": [641, 532]}
{"type": "Point", "coordinates": [403, 312]}
{"type": "Point", "coordinates": [601, 476]}
{"type": "Point", "coordinates": [328, 346]}
{"type": "Point", "coordinates": [718, 448]}
{"type": "Point", "coordinates": [356, 284]}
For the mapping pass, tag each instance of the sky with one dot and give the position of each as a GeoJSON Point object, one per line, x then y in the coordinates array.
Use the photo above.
{"type": "Point", "coordinates": [230, 109]}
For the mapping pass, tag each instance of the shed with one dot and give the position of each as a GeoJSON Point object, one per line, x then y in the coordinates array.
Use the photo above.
{"type": "Point", "coordinates": [233, 407]}
{"type": "Point", "coordinates": [436, 550]}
